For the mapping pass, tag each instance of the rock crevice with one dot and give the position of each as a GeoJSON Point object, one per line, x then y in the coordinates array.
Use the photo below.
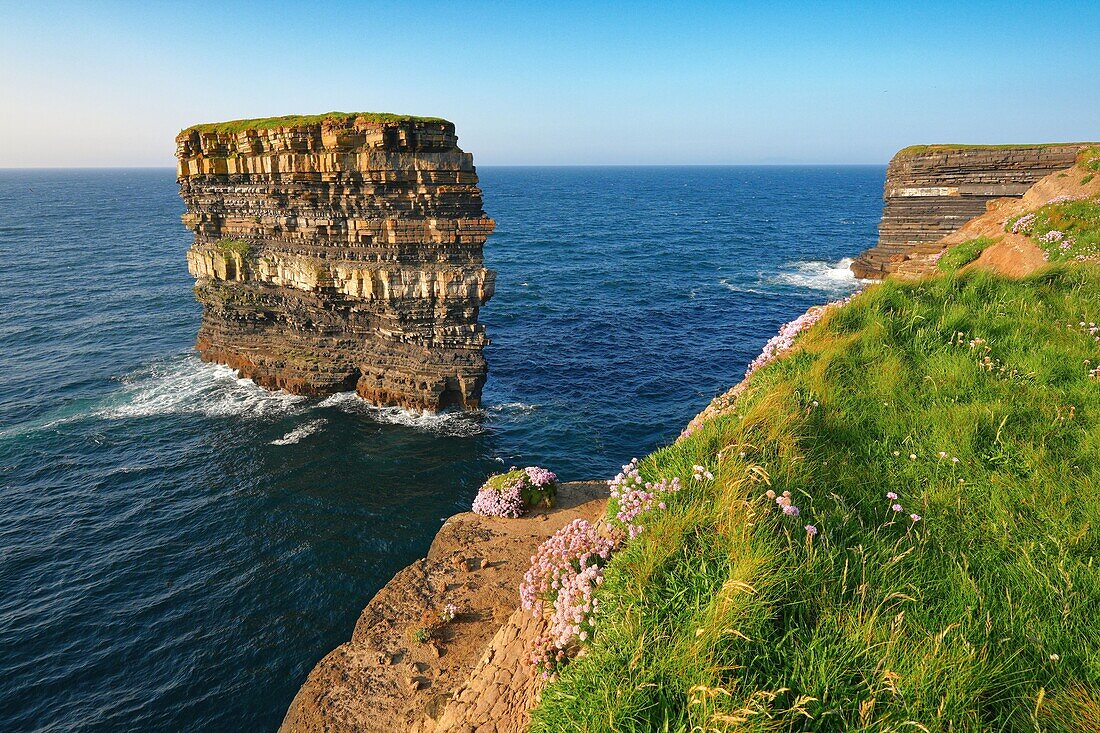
{"type": "Point", "coordinates": [343, 253]}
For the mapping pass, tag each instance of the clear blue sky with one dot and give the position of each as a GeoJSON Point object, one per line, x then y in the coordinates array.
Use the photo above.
{"type": "Point", "coordinates": [556, 82]}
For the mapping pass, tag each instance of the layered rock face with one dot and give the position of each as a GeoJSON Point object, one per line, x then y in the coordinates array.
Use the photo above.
{"type": "Point", "coordinates": [340, 252]}
{"type": "Point", "coordinates": [931, 191]}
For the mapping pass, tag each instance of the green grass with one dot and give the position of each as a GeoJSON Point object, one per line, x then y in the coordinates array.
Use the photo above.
{"type": "Point", "coordinates": [962, 254]}
{"type": "Point", "coordinates": [723, 615]}
{"type": "Point", "coordinates": [267, 123]}
{"type": "Point", "coordinates": [914, 150]}
{"type": "Point", "coordinates": [237, 247]}
{"type": "Point", "coordinates": [1089, 159]}
{"type": "Point", "coordinates": [1078, 221]}
{"type": "Point", "coordinates": [1088, 179]}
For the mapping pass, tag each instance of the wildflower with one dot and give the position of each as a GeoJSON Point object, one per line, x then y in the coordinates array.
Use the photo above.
{"type": "Point", "coordinates": [897, 453]}
{"type": "Point", "coordinates": [770, 494]}
{"type": "Point", "coordinates": [506, 501]}
{"type": "Point", "coordinates": [942, 454]}
{"type": "Point", "coordinates": [497, 499]}
{"type": "Point", "coordinates": [955, 459]}
{"type": "Point", "coordinates": [891, 495]}
{"type": "Point", "coordinates": [896, 507]}
{"type": "Point", "coordinates": [1052, 236]}
{"type": "Point", "coordinates": [784, 340]}
{"type": "Point", "coordinates": [540, 477]}
{"type": "Point", "coordinates": [1024, 224]}
{"type": "Point", "coordinates": [912, 456]}
{"type": "Point", "coordinates": [811, 530]}
{"type": "Point", "coordinates": [634, 496]}
{"type": "Point", "coordinates": [915, 518]}
{"type": "Point", "coordinates": [448, 613]}
{"type": "Point", "coordinates": [790, 510]}
{"type": "Point", "coordinates": [699, 473]}
{"type": "Point", "coordinates": [564, 572]}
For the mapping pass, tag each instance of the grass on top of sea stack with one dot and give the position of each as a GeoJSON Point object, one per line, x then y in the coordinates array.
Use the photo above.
{"type": "Point", "coordinates": [941, 440]}
{"type": "Point", "coordinates": [268, 123]}
{"type": "Point", "coordinates": [914, 150]}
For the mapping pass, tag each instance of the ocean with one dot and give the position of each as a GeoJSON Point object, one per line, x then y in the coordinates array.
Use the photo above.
{"type": "Point", "coordinates": [179, 547]}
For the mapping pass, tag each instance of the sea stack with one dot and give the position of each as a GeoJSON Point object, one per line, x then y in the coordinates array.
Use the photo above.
{"type": "Point", "coordinates": [339, 252]}
{"type": "Point", "coordinates": [932, 190]}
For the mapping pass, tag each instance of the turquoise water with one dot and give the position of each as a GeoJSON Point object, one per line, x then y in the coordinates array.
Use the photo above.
{"type": "Point", "coordinates": [178, 547]}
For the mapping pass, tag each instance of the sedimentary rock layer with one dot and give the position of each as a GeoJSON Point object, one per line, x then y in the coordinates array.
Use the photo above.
{"type": "Point", "coordinates": [340, 252]}
{"type": "Point", "coordinates": [933, 190]}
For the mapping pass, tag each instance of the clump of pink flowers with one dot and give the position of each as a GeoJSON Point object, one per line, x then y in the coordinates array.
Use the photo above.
{"type": "Point", "coordinates": [540, 477]}
{"type": "Point", "coordinates": [783, 501]}
{"type": "Point", "coordinates": [511, 494]}
{"type": "Point", "coordinates": [1052, 236]}
{"type": "Point", "coordinates": [784, 340]}
{"type": "Point", "coordinates": [564, 574]}
{"type": "Point", "coordinates": [1024, 224]}
{"type": "Point", "coordinates": [633, 496]}
{"type": "Point", "coordinates": [507, 501]}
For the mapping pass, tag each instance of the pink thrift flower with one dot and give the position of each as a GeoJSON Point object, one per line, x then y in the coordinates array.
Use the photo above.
{"type": "Point", "coordinates": [896, 507]}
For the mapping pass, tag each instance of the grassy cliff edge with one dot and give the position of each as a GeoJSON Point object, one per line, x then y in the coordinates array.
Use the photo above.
{"type": "Point", "coordinates": [941, 441]}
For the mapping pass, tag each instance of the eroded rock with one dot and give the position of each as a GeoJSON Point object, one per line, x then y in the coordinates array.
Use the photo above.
{"type": "Point", "coordinates": [342, 254]}
{"type": "Point", "coordinates": [933, 191]}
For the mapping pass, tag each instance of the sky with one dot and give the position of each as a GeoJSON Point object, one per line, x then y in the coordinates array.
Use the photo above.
{"type": "Point", "coordinates": [555, 82]}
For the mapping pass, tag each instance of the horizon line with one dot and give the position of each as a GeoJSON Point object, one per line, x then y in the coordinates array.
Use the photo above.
{"type": "Point", "coordinates": [489, 165]}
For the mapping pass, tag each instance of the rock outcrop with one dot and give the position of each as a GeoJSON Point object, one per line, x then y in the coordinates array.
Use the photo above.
{"type": "Point", "coordinates": [340, 252]}
{"type": "Point", "coordinates": [478, 679]}
{"type": "Point", "coordinates": [933, 190]}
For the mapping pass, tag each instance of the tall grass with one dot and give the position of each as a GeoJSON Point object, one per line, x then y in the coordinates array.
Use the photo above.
{"type": "Point", "coordinates": [725, 615]}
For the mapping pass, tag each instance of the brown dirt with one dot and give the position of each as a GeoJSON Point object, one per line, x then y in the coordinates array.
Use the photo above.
{"type": "Point", "coordinates": [1014, 255]}
{"type": "Point", "coordinates": [383, 680]}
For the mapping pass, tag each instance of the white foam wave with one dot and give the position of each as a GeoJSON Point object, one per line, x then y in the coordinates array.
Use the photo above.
{"type": "Point", "coordinates": [455, 424]}
{"type": "Point", "coordinates": [308, 428]}
{"type": "Point", "coordinates": [835, 277]}
{"type": "Point", "coordinates": [735, 288]}
{"type": "Point", "coordinates": [513, 407]}
{"type": "Point", "coordinates": [189, 385]}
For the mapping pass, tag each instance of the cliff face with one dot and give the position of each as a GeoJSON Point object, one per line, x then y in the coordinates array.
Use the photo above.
{"type": "Point", "coordinates": [478, 678]}
{"type": "Point", "coordinates": [340, 253]}
{"type": "Point", "coordinates": [931, 191]}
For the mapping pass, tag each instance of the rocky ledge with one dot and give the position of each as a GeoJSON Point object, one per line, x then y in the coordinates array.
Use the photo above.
{"type": "Point", "coordinates": [339, 252]}
{"type": "Point", "coordinates": [477, 678]}
{"type": "Point", "coordinates": [933, 190]}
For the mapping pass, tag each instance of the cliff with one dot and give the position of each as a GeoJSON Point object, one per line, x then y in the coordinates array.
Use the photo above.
{"type": "Point", "coordinates": [339, 252]}
{"type": "Point", "coordinates": [478, 677]}
{"type": "Point", "coordinates": [933, 190]}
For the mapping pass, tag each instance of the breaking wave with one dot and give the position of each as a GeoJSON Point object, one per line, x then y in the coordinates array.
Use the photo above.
{"type": "Point", "coordinates": [832, 277]}
{"type": "Point", "coordinates": [189, 385]}
{"type": "Point", "coordinates": [451, 424]}
{"type": "Point", "coordinates": [308, 428]}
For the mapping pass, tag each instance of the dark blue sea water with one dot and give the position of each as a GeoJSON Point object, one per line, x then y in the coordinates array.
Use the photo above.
{"type": "Point", "coordinates": [179, 547]}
